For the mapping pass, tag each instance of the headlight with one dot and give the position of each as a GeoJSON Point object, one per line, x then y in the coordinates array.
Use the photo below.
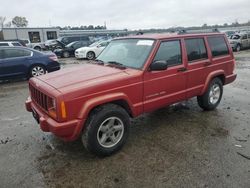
{"type": "Point", "coordinates": [52, 107]}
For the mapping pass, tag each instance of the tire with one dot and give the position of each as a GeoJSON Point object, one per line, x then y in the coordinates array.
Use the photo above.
{"type": "Point", "coordinates": [37, 70]}
{"type": "Point", "coordinates": [65, 54]}
{"type": "Point", "coordinates": [90, 55]}
{"type": "Point", "coordinates": [106, 130]}
{"type": "Point", "coordinates": [238, 48]}
{"type": "Point", "coordinates": [38, 48]}
{"type": "Point", "coordinates": [212, 97]}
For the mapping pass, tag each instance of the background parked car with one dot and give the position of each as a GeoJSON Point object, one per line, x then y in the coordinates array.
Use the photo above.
{"type": "Point", "coordinates": [25, 62]}
{"type": "Point", "coordinates": [240, 41]}
{"type": "Point", "coordinates": [53, 44]}
{"type": "Point", "coordinates": [69, 39]}
{"type": "Point", "coordinates": [92, 51]}
{"type": "Point", "coordinates": [10, 43]}
{"type": "Point", "coordinates": [69, 49]}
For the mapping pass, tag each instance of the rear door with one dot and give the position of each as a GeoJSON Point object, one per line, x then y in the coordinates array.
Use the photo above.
{"type": "Point", "coordinates": [198, 63]}
{"type": "Point", "coordinates": [168, 86]}
{"type": "Point", "coordinates": [244, 41]}
{"type": "Point", "coordinates": [15, 62]}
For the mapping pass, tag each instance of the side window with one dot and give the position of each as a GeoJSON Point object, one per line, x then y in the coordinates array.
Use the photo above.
{"type": "Point", "coordinates": [13, 53]}
{"type": "Point", "coordinates": [195, 49]}
{"type": "Point", "coordinates": [4, 44]}
{"type": "Point", "coordinates": [34, 37]}
{"type": "Point", "coordinates": [26, 53]}
{"type": "Point", "coordinates": [244, 37]}
{"type": "Point", "coordinates": [218, 46]}
{"type": "Point", "coordinates": [1, 54]}
{"type": "Point", "coordinates": [170, 51]}
{"type": "Point", "coordinates": [16, 44]}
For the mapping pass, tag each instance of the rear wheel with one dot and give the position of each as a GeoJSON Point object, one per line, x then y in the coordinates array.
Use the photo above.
{"type": "Point", "coordinates": [238, 47]}
{"type": "Point", "coordinates": [106, 130]}
{"type": "Point", "coordinates": [65, 54]}
{"type": "Point", "coordinates": [90, 55]}
{"type": "Point", "coordinates": [37, 70]}
{"type": "Point", "coordinates": [212, 97]}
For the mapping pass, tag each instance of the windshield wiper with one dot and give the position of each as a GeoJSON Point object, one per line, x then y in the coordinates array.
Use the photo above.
{"type": "Point", "coordinates": [117, 64]}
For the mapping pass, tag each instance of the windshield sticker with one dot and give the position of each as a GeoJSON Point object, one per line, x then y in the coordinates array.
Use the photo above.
{"type": "Point", "coordinates": [145, 42]}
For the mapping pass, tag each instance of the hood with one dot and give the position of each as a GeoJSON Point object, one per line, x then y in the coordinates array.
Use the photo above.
{"type": "Point", "coordinates": [81, 76]}
{"type": "Point", "coordinates": [84, 48]}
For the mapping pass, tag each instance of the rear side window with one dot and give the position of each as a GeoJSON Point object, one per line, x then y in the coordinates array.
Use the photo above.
{"type": "Point", "coordinates": [12, 53]}
{"type": "Point", "coordinates": [169, 51]}
{"type": "Point", "coordinates": [244, 37]}
{"type": "Point", "coordinates": [196, 49]}
{"type": "Point", "coordinates": [4, 44]}
{"type": "Point", "coordinates": [218, 46]}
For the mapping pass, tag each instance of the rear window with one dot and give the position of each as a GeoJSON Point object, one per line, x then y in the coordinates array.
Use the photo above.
{"type": "Point", "coordinates": [196, 49]}
{"type": "Point", "coordinates": [218, 46]}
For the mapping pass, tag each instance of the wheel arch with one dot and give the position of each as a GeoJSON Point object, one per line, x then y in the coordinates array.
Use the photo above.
{"type": "Point", "coordinates": [217, 74]}
{"type": "Point", "coordinates": [117, 98]}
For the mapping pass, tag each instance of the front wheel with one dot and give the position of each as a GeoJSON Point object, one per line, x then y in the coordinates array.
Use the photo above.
{"type": "Point", "coordinates": [90, 55]}
{"type": "Point", "coordinates": [212, 97]}
{"type": "Point", "coordinates": [106, 130]}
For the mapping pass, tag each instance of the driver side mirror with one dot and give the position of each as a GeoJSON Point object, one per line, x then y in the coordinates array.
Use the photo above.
{"type": "Point", "coordinates": [158, 65]}
{"type": "Point", "coordinates": [98, 46]}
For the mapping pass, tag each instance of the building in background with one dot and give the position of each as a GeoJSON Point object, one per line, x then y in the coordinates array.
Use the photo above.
{"type": "Point", "coordinates": [35, 35]}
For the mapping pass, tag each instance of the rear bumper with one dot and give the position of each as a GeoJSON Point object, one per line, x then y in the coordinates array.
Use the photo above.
{"type": "Point", "coordinates": [68, 131]}
{"type": "Point", "coordinates": [230, 78]}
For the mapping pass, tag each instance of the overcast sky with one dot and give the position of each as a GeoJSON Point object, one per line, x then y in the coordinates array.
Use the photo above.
{"type": "Point", "coordinates": [130, 14]}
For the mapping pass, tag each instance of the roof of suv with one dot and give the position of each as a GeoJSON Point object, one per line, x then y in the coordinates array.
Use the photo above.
{"type": "Point", "coordinates": [170, 35]}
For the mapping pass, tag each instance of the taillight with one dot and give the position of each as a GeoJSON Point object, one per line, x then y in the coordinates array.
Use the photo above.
{"type": "Point", "coordinates": [53, 57]}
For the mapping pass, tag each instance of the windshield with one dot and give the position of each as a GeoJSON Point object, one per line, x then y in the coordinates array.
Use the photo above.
{"type": "Point", "coordinates": [128, 52]}
{"type": "Point", "coordinates": [70, 44]}
{"type": "Point", "coordinates": [95, 44]}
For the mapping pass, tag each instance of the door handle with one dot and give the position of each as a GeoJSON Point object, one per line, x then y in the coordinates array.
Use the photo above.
{"type": "Point", "coordinates": [182, 69]}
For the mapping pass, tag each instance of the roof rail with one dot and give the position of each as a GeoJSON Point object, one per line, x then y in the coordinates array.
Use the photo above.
{"type": "Point", "coordinates": [180, 32]}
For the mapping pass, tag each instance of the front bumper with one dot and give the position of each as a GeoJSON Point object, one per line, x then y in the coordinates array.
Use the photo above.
{"type": "Point", "coordinates": [68, 131]}
{"type": "Point", "coordinates": [80, 55]}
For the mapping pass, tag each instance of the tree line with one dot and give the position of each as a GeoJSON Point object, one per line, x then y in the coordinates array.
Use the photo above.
{"type": "Point", "coordinates": [19, 21]}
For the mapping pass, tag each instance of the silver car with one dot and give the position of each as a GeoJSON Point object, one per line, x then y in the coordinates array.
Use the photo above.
{"type": "Point", "coordinates": [240, 41]}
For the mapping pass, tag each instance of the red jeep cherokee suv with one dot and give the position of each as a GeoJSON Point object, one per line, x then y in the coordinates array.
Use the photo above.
{"type": "Point", "coordinates": [133, 75]}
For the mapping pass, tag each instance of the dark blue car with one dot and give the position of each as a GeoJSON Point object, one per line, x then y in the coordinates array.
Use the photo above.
{"type": "Point", "coordinates": [25, 62]}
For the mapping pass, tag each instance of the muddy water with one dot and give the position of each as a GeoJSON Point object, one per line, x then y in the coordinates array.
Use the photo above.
{"type": "Point", "coordinates": [178, 146]}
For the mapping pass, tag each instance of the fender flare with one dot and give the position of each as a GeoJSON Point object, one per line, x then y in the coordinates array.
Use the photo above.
{"type": "Point", "coordinates": [210, 77]}
{"type": "Point", "coordinates": [94, 102]}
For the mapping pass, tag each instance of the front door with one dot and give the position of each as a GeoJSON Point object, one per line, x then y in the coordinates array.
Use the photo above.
{"type": "Point", "coordinates": [162, 88]}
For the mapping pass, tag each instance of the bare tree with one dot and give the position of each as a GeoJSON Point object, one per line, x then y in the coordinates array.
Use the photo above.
{"type": "Point", "coordinates": [8, 24]}
{"type": "Point", "coordinates": [2, 20]}
{"type": "Point", "coordinates": [20, 21]}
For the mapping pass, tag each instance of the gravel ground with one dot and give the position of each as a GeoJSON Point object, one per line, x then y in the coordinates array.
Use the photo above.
{"type": "Point", "coordinates": [178, 146]}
